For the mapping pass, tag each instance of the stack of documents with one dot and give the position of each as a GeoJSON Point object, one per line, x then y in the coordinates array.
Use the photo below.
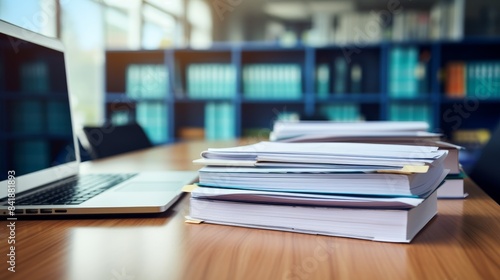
{"type": "Point", "coordinates": [378, 132]}
{"type": "Point", "coordinates": [370, 191]}
{"type": "Point", "coordinates": [326, 131]}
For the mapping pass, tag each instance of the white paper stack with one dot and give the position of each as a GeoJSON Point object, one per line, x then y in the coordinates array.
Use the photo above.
{"type": "Point", "coordinates": [371, 191]}
{"type": "Point", "coordinates": [327, 131]}
{"type": "Point", "coordinates": [378, 132]}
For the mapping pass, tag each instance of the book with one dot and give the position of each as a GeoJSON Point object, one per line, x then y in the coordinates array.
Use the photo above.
{"type": "Point", "coordinates": [455, 80]}
{"type": "Point", "coordinates": [219, 121]}
{"type": "Point", "coordinates": [322, 80]}
{"type": "Point", "coordinates": [340, 77]}
{"type": "Point", "coordinates": [356, 78]}
{"type": "Point", "coordinates": [377, 224]}
{"type": "Point", "coordinates": [422, 72]}
{"type": "Point", "coordinates": [152, 116]}
{"type": "Point", "coordinates": [324, 181]}
{"type": "Point", "coordinates": [405, 72]}
{"type": "Point", "coordinates": [304, 199]}
{"type": "Point", "coordinates": [453, 186]}
{"type": "Point", "coordinates": [446, 20]}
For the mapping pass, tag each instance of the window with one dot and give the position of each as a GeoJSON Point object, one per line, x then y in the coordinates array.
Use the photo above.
{"type": "Point", "coordinates": [116, 22]}
{"type": "Point", "coordinates": [83, 37]}
{"type": "Point", "coordinates": [35, 15]}
{"type": "Point", "coordinates": [175, 7]}
{"type": "Point", "coordinates": [123, 23]}
{"type": "Point", "coordinates": [159, 29]}
{"type": "Point", "coordinates": [200, 19]}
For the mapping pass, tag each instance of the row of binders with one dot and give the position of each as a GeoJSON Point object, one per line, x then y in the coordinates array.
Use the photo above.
{"type": "Point", "coordinates": [153, 118]}
{"type": "Point", "coordinates": [211, 80]}
{"type": "Point", "coordinates": [272, 81]}
{"type": "Point", "coordinates": [220, 121]}
{"type": "Point", "coordinates": [345, 78]}
{"type": "Point", "coordinates": [410, 112]}
{"type": "Point", "coordinates": [408, 72]}
{"type": "Point", "coordinates": [342, 112]}
{"type": "Point", "coordinates": [146, 81]}
{"type": "Point", "coordinates": [305, 180]}
{"type": "Point", "coordinates": [473, 79]}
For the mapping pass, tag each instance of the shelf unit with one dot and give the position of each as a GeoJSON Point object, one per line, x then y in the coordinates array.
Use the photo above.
{"type": "Point", "coordinates": [372, 96]}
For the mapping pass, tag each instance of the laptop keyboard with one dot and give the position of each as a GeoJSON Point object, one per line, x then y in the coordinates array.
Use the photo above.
{"type": "Point", "coordinates": [75, 191]}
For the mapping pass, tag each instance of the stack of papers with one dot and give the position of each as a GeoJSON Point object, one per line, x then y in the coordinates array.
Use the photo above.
{"type": "Point", "coordinates": [378, 132]}
{"type": "Point", "coordinates": [371, 191]}
{"type": "Point", "coordinates": [325, 131]}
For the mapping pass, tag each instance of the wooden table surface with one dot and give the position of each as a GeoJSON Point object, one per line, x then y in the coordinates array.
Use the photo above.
{"type": "Point", "coordinates": [461, 242]}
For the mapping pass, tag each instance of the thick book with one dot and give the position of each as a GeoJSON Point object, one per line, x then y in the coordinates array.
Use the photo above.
{"type": "Point", "coordinates": [389, 225]}
{"type": "Point", "coordinates": [303, 199]}
{"type": "Point", "coordinates": [453, 186]}
{"type": "Point", "coordinates": [323, 181]}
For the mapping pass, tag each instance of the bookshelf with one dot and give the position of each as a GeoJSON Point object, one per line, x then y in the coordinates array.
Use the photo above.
{"type": "Point", "coordinates": [322, 85]}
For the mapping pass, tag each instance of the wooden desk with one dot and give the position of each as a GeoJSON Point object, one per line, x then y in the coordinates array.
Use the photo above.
{"type": "Point", "coordinates": [462, 242]}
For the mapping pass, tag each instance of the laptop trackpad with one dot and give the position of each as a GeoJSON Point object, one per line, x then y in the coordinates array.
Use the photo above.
{"type": "Point", "coordinates": [150, 186]}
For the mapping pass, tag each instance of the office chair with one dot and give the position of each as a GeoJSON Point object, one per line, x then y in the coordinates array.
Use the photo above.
{"type": "Point", "coordinates": [485, 172]}
{"type": "Point", "coordinates": [109, 140]}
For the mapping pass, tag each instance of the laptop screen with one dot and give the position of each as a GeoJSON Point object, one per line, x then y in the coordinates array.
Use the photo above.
{"type": "Point", "coordinates": [35, 119]}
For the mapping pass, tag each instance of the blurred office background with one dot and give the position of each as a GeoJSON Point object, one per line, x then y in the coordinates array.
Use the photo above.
{"type": "Point", "coordinates": [221, 69]}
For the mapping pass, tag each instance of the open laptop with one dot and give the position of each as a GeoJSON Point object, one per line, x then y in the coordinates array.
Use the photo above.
{"type": "Point", "coordinates": [39, 155]}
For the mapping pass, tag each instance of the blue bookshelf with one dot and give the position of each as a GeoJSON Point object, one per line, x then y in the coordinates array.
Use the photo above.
{"type": "Point", "coordinates": [325, 78]}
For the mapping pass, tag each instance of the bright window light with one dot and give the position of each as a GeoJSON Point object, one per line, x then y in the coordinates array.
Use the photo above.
{"type": "Point", "coordinates": [172, 6]}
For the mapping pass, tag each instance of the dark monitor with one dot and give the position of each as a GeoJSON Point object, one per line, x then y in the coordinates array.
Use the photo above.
{"type": "Point", "coordinates": [486, 170]}
{"type": "Point", "coordinates": [35, 118]}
